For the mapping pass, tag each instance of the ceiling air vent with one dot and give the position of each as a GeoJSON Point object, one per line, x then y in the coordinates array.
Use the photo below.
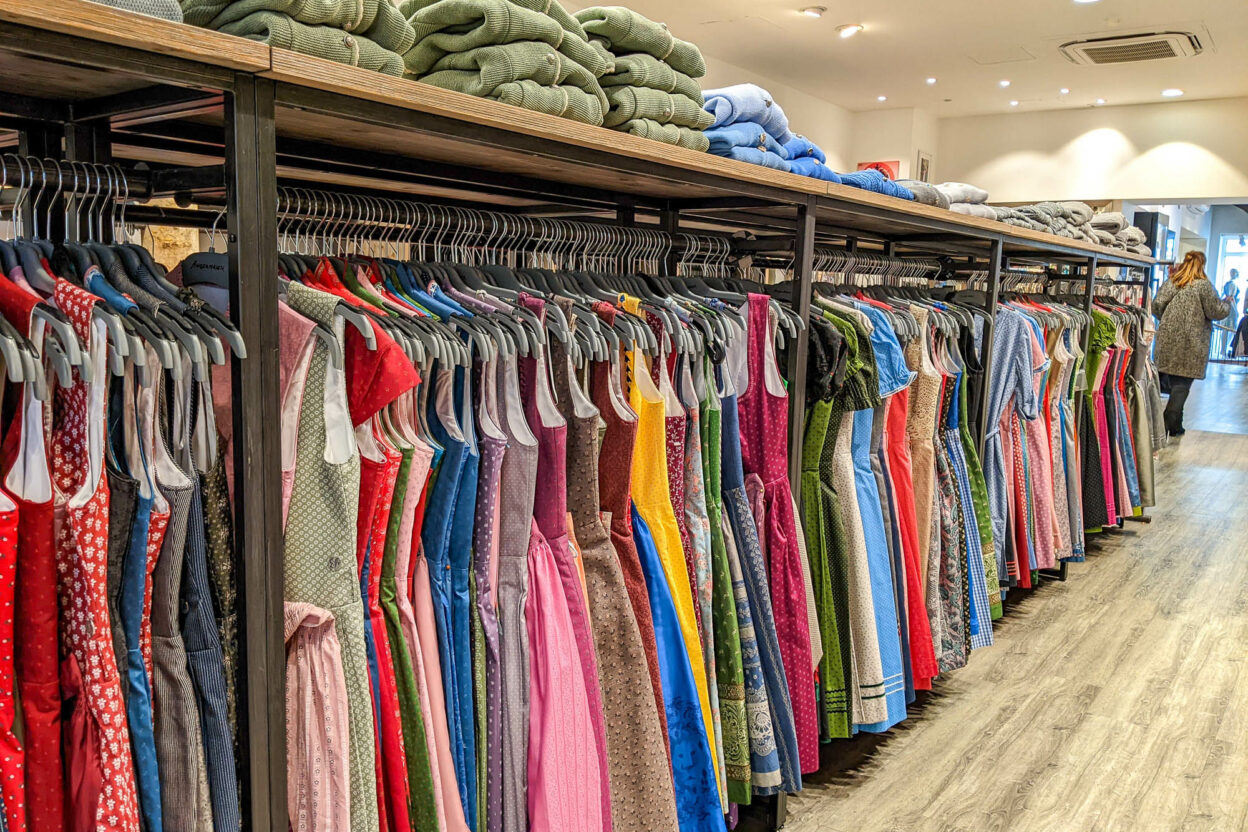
{"type": "Point", "coordinates": [1131, 49]}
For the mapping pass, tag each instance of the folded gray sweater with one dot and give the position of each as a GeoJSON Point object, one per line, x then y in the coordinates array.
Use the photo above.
{"type": "Point", "coordinates": [1111, 221]}
{"type": "Point", "coordinates": [962, 192]}
{"type": "Point", "coordinates": [925, 193]}
{"type": "Point", "coordinates": [973, 209]}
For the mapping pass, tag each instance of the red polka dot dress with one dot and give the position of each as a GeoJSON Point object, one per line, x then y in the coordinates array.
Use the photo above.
{"type": "Point", "coordinates": [11, 773]}
{"type": "Point", "coordinates": [27, 480]}
{"type": "Point", "coordinates": [98, 757]}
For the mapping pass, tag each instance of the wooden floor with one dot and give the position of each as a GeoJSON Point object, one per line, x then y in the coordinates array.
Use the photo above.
{"type": "Point", "coordinates": [1117, 700]}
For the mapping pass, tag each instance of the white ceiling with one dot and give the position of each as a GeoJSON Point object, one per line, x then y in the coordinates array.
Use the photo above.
{"type": "Point", "coordinates": [969, 46]}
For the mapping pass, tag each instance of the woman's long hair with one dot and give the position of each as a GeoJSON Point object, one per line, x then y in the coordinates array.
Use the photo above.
{"type": "Point", "coordinates": [1190, 270]}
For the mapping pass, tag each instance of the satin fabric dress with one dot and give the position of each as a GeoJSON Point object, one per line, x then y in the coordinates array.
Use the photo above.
{"type": "Point", "coordinates": [689, 725]}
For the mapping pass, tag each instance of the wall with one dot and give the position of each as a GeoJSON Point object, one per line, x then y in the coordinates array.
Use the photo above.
{"type": "Point", "coordinates": [824, 123]}
{"type": "Point", "coordinates": [1151, 152]}
{"type": "Point", "coordinates": [896, 134]}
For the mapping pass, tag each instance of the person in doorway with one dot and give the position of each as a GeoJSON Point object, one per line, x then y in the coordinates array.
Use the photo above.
{"type": "Point", "coordinates": [1230, 290]}
{"type": "Point", "coordinates": [1186, 307]}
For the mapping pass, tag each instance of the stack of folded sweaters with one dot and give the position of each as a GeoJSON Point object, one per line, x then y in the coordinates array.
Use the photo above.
{"type": "Point", "coordinates": [371, 34]}
{"type": "Point", "coordinates": [748, 125]}
{"type": "Point", "coordinates": [1113, 229]}
{"type": "Point", "coordinates": [966, 199]}
{"type": "Point", "coordinates": [1065, 219]}
{"type": "Point", "coordinates": [751, 127]}
{"type": "Point", "coordinates": [651, 84]}
{"type": "Point", "coordinates": [926, 194]}
{"type": "Point", "coordinates": [808, 159]}
{"type": "Point", "coordinates": [527, 53]}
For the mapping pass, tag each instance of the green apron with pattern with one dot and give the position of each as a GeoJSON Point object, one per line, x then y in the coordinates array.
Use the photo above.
{"type": "Point", "coordinates": [319, 553]}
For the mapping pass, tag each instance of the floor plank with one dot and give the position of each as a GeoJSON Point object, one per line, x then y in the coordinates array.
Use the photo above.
{"type": "Point", "coordinates": [1115, 700]}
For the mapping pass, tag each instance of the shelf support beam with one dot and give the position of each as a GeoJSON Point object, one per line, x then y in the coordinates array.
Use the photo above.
{"type": "Point", "coordinates": [251, 218]}
{"type": "Point", "coordinates": [993, 294]}
{"type": "Point", "coordinates": [803, 277]}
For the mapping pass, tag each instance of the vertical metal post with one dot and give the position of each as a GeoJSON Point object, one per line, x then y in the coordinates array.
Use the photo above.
{"type": "Point", "coordinates": [669, 221]}
{"type": "Point", "coordinates": [626, 217]}
{"type": "Point", "coordinates": [1089, 294]}
{"type": "Point", "coordinates": [92, 142]}
{"type": "Point", "coordinates": [994, 292]}
{"type": "Point", "coordinates": [251, 212]}
{"type": "Point", "coordinates": [803, 263]}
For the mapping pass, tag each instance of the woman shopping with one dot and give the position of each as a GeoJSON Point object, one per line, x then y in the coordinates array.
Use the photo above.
{"type": "Point", "coordinates": [1186, 307]}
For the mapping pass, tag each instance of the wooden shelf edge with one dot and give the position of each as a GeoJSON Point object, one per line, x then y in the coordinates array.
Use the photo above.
{"type": "Point", "coordinates": [95, 21]}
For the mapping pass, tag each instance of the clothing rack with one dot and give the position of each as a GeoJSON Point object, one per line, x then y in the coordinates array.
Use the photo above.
{"type": "Point", "coordinates": [212, 117]}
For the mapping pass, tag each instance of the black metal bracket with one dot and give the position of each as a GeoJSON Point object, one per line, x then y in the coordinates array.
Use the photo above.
{"type": "Point", "coordinates": [251, 218]}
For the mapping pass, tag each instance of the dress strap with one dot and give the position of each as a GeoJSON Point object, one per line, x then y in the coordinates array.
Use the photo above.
{"type": "Point", "coordinates": [759, 328]}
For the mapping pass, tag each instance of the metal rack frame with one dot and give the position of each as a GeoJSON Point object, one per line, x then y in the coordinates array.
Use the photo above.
{"type": "Point", "coordinates": [212, 133]}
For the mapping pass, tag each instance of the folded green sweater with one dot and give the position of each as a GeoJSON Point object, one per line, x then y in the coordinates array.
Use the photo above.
{"type": "Point", "coordinates": [667, 133]}
{"type": "Point", "coordinates": [450, 26]}
{"type": "Point", "coordinates": [642, 70]}
{"type": "Point", "coordinates": [626, 31]}
{"type": "Point", "coordinates": [482, 70]}
{"type": "Point", "coordinates": [565, 101]}
{"type": "Point", "coordinates": [629, 103]}
{"type": "Point", "coordinates": [280, 30]}
{"type": "Point", "coordinates": [201, 12]}
{"type": "Point", "coordinates": [377, 20]}
{"type": "Point", "coordinates": [550, 8]}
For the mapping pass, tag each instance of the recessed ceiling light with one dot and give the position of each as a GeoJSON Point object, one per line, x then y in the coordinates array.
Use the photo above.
{"type": "Point", "coordinates": [1087, 1]}
{"type": "Point", "coordinates": [1171, 93]}
{"type": "Point", "coordinates": [1003, 83]}
{"type": "Point", "coordinates": [931, 81]}
{"type": "Point", "coordinates": [814, 11]}
{"type": "Point", "coordinates": [881, 98]}
{"type": "Point", "coordinates": [1013, 103]}
{"type": "Point", "coordinates": [1100, 101]}
{"type": "Point", "coordinates": [1065, 90]}
{"type": "Point", "coordinates": [848, 30]}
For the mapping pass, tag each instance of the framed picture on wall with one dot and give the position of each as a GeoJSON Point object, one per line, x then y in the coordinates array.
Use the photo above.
{"type": "Point", "coordinates": [923, 167]}
{"type": "Point", "coordinates": [891, 170]}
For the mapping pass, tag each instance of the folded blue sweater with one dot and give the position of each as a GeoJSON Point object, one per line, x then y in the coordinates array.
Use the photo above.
{"type": "Point", "coordinates": [800, 146]}
{"type": "Point", "coordinates": [743, 134]}
{"type": "Point", "coordinates": [812, 167]}
{"type": "Point", "coordinates": [754, 156]}
{"type": "Point", "coordinates": [873, 180]}
{"type": "Point", "coordinates": [748, 102]}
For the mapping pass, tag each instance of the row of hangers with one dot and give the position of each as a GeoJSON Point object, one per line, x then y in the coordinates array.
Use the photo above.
{"type": "Point", "coordinates": [141, 306]}
{"type": "Point", "coordinates": [422, 249]}
{"type": "Point", "coordinates": [881, 278]}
